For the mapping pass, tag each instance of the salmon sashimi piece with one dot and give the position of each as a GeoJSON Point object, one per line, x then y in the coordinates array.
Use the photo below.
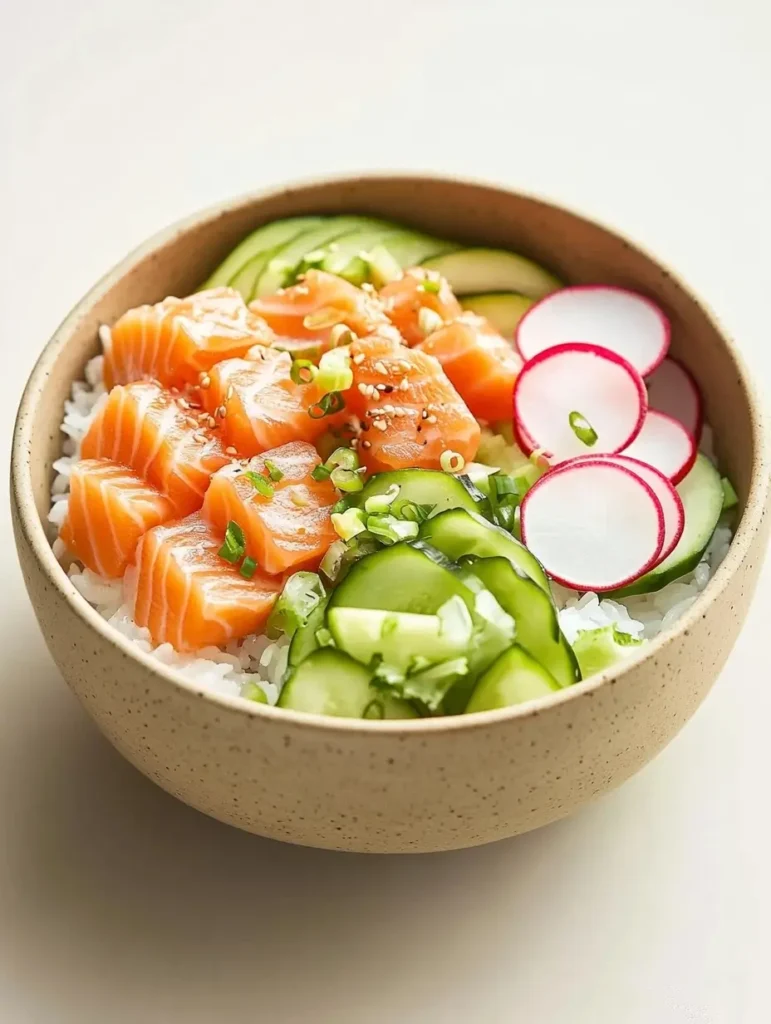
{"type": "Point", "coordinates": [480, 363]}
{"type": "Point", "coordinates": [416, 290]}
{"type": "Point", "coordinates": [307, 311]}
{"type": "Point", "coordinates": [288, 527]}
{"type": "Point", "coordinates": [189, 596]}
{"type": "Point", "coordinates": [409, 411]}
{"type": "Point", "coordinates": [176, 340]}
{"type": "Point", "coordinates": [258, 406]}
{"type": "Point", "coordinates": [109, 510]}
{"type": "Point", "coordinates": [161, 438]}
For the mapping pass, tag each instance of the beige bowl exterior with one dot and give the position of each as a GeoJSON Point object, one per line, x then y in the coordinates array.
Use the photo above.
{"type": "Point", "coordinates": [392, 787]}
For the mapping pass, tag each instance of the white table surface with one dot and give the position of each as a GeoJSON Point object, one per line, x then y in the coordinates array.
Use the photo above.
{"type": "Point", "coordinates": [118, 904]}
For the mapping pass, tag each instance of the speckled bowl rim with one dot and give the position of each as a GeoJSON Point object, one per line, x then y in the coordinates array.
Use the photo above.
{"type": "Point", "coordinates": [35, 533]}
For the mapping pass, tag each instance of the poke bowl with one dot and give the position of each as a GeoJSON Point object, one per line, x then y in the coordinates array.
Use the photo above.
{"type": "Point", "coordinates": [390, 513]}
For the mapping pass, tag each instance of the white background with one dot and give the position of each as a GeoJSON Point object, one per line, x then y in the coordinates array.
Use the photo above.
{"type": "Point", "coordinates": [119, 905]}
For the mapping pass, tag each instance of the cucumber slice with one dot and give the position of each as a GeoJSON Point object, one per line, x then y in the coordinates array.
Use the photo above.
{"type": "Point", "coordinates": [246, 279]}
{"type": "Point", "coordinates": [459, 532]}
{"type": "Point", "coordinates": [702, 496]}
{"type": "Point", "coordinates": [328, 682]}
{"type": "Point", "coordinates": [279, 232]}
{"type": "Point", "coordinates": [304, 641]}
{"type": "Point", "coordinates": [474, 271]}
{"type": "Point", "coordinates": [411, 248]}
{"type": "Point", "coordinates": [515, 677]}
{"type": "Point", "coordinates": [533, 612]}
{"type": "Point", "coordinates": [398, 637]}
{"type": "Point", "coordinates": [350, 245]}
{"type": "Point", "coordinates": [426, 487]}
{"type": "Point", "coordinates": [287, 258]}
{"type": "Point", "coordinates": [504, 310]}
{"type": "Point", "coordinates": [400, 578]}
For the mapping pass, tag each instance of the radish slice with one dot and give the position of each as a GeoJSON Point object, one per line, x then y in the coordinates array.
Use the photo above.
{"type": "Point", "coordinates": [672, 389]}
{"type": "Point", "coordinates": [664, 443]}
{"type": "Point", "coordinates": [626, 323]}
{"type": "Point", "coordinates": [670, 501]}
{"type": "Point", "coordinates": [578, 399]}
{"type": "Point", "coordinates": [593, 525]}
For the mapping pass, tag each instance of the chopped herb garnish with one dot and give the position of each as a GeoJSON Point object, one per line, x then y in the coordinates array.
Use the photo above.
{"type": "Point", "coordinates": [504, 485]}
{"type": "Point", "coordinates": [248, 568]}
{"type": "Point", "coordinates": [259, 483]}
{"type": "Point", "coordinates": [430, 286]}
{"type": "Point", "coordinates": [347, 480]}
{"type": "Point", "coordinates": [411, 510]}
{"type": "Point", "coordinates": [321, 473]}
{"type": "Point", "coordinates": [303, 371]}
{"type": "Point", "coordinates": [302, 594]}
{"type": "Point", "coordinates": [582, 428]}
{"type": "Point", "coordinates": [346, 458]}
{"type": "Point", "coordinates": [343, 504]}
{"type": "Point", "coordinates": [273, 471]}
{"type": "Point", "coordinates": [329, 404]}
{"type": "Point", "coordinates": [235, 544]}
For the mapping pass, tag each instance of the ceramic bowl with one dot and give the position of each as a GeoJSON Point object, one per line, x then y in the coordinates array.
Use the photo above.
{"type": "Point", "coordinates": [433, 784]}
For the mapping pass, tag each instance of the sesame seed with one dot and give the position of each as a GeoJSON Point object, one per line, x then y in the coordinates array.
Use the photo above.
{"type": "Point", "coordinates": [404, 386]}
{"type": "Point", "coordinates": [389, 409]}
{"type": "Point", "coordinates": [380, 425]}
{"type": "Point", "coordinates": [230, 450]}
{"type": "Point", "coordinates": [359, 358]}
{"type": "Point", "coordinates": [205, 380]}
{"type": "Point", "coordinates": [212, 422]}
{"type": "Point", "coordinates": [221, 412]}
{"type": "Point", "coordinates": [424, 415]}
{"type": "Point", "coordinates": [191, 422]}
{"type": "Point", "coordinates": [380, 367]}
{"type": "Point", "coordinates": [381, 387]}
{"type": "Point", "coordinates": [200, 438]}
{"type": "Point", "coordinates": [182, 403]}
{"type": "Point", "coordinates": [431, 419]}
{"type": "Point", "coordinates": [354, 443]}
{"type": "Point", "coordinates": [229, 394]}
{"type": "Point", "coordinates": [366, 444]}
{"type": "Point", "coordinates": [363, 389]}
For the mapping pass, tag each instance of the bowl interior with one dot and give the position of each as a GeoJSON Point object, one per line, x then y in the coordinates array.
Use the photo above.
{"type": "Point", "coordinates": [177, 261]}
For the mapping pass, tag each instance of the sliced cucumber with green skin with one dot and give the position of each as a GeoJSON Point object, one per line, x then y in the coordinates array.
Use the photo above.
{"type": "Point", "coordinates": [425, 487]}
{"type": "Point", "coordinates": [277, 233]}
{"type": "Point", "coordinates": [400, 578]}
{"type": "Point", "coordinates": [246, 279]}
{"type": "Point", "coordinates": [290, 255]}
{"type": "Point", "coordinates": [304, 641]}
{"type": "Point", "coordinates": [533, 612]}
{"type": "Point", "coordinates": [701, 492]}
{"type": "Point", "coordinates": [504, 310]}
{"type": "Point", "coordinates": [398, 637]}
{"type": "Point", "coordinates": [515, 677]}
{"type": "Point", "coordinates": [459, 532]}
{"type": "Point", "coordinates": [475, 271]}
{"type": "Point", "coordinates": [329, 682]}
{"type": "Point", "coordinates": [350, 245]}
{"type": "Point", "coordinates": [411, 248]}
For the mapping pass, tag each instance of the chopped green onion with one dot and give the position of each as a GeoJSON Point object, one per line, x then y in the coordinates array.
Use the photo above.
{"type": "Point", "coordinates": [390, 529]}
{"type": "Point", "coordinates": [730, 497]}
{"type": "Point", "coordinates": [303, 371]}
{"type": "Point", "coordinates": [355, 270]}
{"type": "Point", "coordinates": [321, 473]}
{"type": "Point", "coordinates": [235, 544]}
{"type": "Point", "coordinates": [273, 471]}
{"type": "Point", "coordinates": [324, 637]}
{"type": "Point", "coordinates": [430, 286]}
{"type": "Point", "coordinates": [344, 504]}
{"type": "Point", "coordinates": [335, 373]}
{"type": "Point", "coordinates": [452, 462]}
{"type": "Point", "coordinates": [347, 480]}
{"type": "Point", "coordinates": [429, 321]}
{"type": "Point", "coordinates": [248, 568]}
{"type": "Point", "coordinates": [259, 483]}
{"type": "Point", "coordinates": [582, 428]}
{"type": "Point", "coordinates": [345, 458]}
{"type": "Point", "coordinates": [302, 593]}
{"type": "Point", "coordinates": [375, 709]}
{"type": "Point", "coordinates": [332, 561]}
{"type": "Point", "coordinates": [328, 405]}
{"type": "Point", "coordinates": [382, 502]}
{"type": "Point", "coordinates": [254, 692]}
{"type": "Point", "coordinates": [504, 485]}
{"type": "Point", "coordinates": [349, 523]}
{"type": "Point", "coordinates": [411, 510]}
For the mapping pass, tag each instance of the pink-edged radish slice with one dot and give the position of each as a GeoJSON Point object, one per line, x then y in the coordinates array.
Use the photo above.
{"type": "Point", "coordinates": [593, 525]}
{"type": "Point", "coordinates": [670, 501]}
{"type": "Point", "coordinates": [672, 389]}
{"type": "Point", "coordinates": [626, 323]}
{"type": "Point", "coordinates": [664, 443]}
{"type": "Point", "coordinates": [578, 399]}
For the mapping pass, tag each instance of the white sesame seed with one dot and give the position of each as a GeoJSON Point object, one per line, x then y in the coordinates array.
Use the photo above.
{"type": "Point", "coordinates": [231, 451]}
{"type": "Point", "coordinates": [363, 389]}
{"type": "Point", "coordinates": [389, 409]}
{"type": "Point", "coordinates": [431, 419]}
{"type": "Point", "coordinates": [359, 358]}
{"type": "Point", "coordinates": [205, 381]}
{"type": "Point", "coordinates": [380, 424]}
{"type": "Point", "coordinates": [380, 367]}
{"type": "Point", "coordinates": [404, 386]}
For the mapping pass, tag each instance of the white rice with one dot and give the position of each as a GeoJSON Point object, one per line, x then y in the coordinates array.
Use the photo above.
{"type": "Point", "coordinates": [261, 661]}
